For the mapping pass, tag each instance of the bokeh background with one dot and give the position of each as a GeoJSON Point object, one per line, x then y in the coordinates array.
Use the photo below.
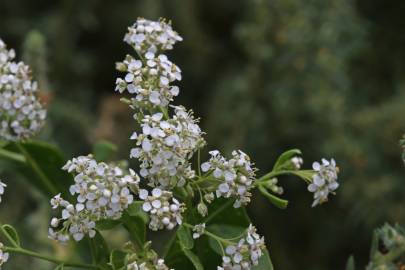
{"type": "Point", "coordinates": [265, 76]}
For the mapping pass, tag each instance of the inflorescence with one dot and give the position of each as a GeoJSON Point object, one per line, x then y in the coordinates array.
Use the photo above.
{"type": "Point", "coordinates": [21, 113]}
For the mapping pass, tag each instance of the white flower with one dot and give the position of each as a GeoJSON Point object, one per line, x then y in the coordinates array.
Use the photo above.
{"type": "Point", "coordinates": [164, 210]}
{"type": "Point", "coordinates": [21, 114]}
{"type": "Point", "coordinates": [245, 253]}
{"type": "Point", "coordinates": [324, 181]}
{"type": "Point", "coordinates": [103, 192]}
{"type": "Point", "coordinates": [198, 230]}
{"type": "Point", "coordinates": [165, 146]}
{"type": "Point", "coordinates": [297, 162]}
{"type": "Point", "coordinates": [150, 36]}
{"type": "Point", "coordinates": [3, 255]}
{"type": "Point", "coordinates": [2, 186]}
{"type": "Point", "coordinates": [237, 174]}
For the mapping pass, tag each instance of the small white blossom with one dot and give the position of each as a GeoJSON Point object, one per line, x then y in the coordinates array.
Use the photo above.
{"type": "Point", "coordinates": [297, 162]}
{"type": "Point", "coordinates": [158, 264]}
{"type": "Point", "coordinates": [324, 181]}
{"type": "Point", "coordinates": [164, 210]}
{"type": "Point", "coordinates": [198, 230]}
{"type": "Point", "coordinates": [165, 146]}
{"type": "Point", "coordinates": [2, 187]}
{"type": "Point", "coordinates": [103, 192]}
{"type": "Point", "coordinates": [150, 36]}
{"type": "Point", "coordinates": [3, 255]}
{"type": "Point", "coordinates": [244, 254]}
{"type": "Point", "coordinates": [21, 113]}
{"type": "Point", "coordinates": [237, 175]}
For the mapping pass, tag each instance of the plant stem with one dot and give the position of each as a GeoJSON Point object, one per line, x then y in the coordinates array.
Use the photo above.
{"type": "Point", "coordinates": [31, 162]}
{"type": "Point", "coordinates": [199, 162]}
{"type": "Point", "coordinates": [12, 156]}
{"type": "Point", "coordinates": [49, 258]}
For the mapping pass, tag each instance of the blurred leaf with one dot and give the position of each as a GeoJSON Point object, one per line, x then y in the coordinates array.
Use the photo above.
{"type": "Point", "coordinates": [60, 267]}
{"type": "Point", "coordinates": [101, 250]}
{"type": "Point", "coordinates": [117, 259]}
{"type": "Point", "coordinates": [135, 210]}
{"type": "Point", "coordinates": [285, 157]}
{"type": "Point", "coordinates": [103, 150]}
{"type": "Point", "coordinates": [43, 167]}
{"type": "Point", "coordinates": [136, 227]}
{"type": "Point", "coordinates": [350, 265]}
{"type": "Point", "coordinates": [194, 259]}
{"type": "Point", "coordinates": [13, 233]}
{"type": "Point", "coordinates": [107, 224]}
{"type": "Point", "coordinates": [278, 202]}
{"type": "Point", "coordinates": [224, 231]}
{"type": "Point", "coordinates": [185, 238]}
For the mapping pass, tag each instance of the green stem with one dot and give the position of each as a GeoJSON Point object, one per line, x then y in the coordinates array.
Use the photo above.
{"type": "Point", "coordinates": [49, 258]}
{"type": "Point", "coordinates": [213, 236]}
{"type": "Point", "coordinates": [12, 156]}
{"type": "Point", "coordinates": [199, 162]}
{"type": "Point", "coordinates": [31, 162]}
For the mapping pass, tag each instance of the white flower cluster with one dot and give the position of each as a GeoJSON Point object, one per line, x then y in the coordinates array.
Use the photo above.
{"type": "Point", "coordinates": [2, 186]}
{"type": "Point", "coordinates": [164, 210]}
{"type": "Point", "coordinates": [149, 81]}
{"type": "Point", "coordinates": [21, 114]}
{"type": "Point", "coordinates": [237, 175]}
{"type": "Point", "coordinates": [165, 146]}
{"type": "Point", "coordinates": [245, 253]}
{"type": "Point", "coordinates": [158, 265]}
{"type": "Point", "coordinates": [3, 255]}
{"type": "Point", "coordinates": [324, 181]}
{"type": "Point", "coordinates": [103, 192]}
{"type": "Point", "coordinates": [150, 36]}
{"type": "Point", "coordinates": [198, 230]}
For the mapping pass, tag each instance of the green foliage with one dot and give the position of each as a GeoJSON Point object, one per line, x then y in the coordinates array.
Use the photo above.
{"type": "Point", "coordinates": [103, 150]}
{"type": "Point", "coordinates": [42, 167]}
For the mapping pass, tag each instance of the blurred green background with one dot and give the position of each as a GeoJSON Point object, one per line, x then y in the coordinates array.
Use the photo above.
{"type": "Point", "coordinates": [265, 76]}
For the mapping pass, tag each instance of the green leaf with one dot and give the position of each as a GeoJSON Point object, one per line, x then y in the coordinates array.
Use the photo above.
{"type": "Point", "coordinates": [264, 262]}
{"type": "Point", "coordinates": [135, 210]}
{"type": "Point", "coordinates": [117, 259]}
{"type": "Point", "coordinates": [193, 259]}
{"type": "Point", "coordinates": [278, 202]}
{"type": "Point", "coordinates": [60, 267]}
{"type": "Point", "coordinates": [12, 232]}
{"type": "Point", "coordinates": [224, 231]}
{"type": "Point", "coordinates": [135, 226]}
{"type": "Point", "coordinates": [350, 265]}
{"type": "Point", "coordinates": [103, 150]}
{"type": "Point", "coordinates": [107, 224]}
{"type": "Point", "coordinates": [101, 252]}
{"type": "Point", "coordinates": [285, 157]}
{"type": "Point", "coordinates": [42, 167]}
{"type": "Point", "coordinates": [185, 238]}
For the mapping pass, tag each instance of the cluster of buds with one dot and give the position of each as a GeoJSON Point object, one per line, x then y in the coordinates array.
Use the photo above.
{"type": "Point", "coordinates": [102, 192]}
{"type": "Point", "coordinates": [164, 210]}
{"type": "Point", "coordinates": [165, 146]}
{"type": "Point", "coordinates": [246, 253]}
{"type": "Point", "coordinates": [147, 260]}
{"type": "Point", "coordinates": [324, 181]}
{"type": "Point", "coordinates": [21, 114]}
{"type": "Point", "coordinates": [198, 230]}
{"type": "Point", "coordinates": [150, 80]}
{"type": "Point", "coordinates": [237, 175]}
{"type": "Point", "coordinates": [151, 36]}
